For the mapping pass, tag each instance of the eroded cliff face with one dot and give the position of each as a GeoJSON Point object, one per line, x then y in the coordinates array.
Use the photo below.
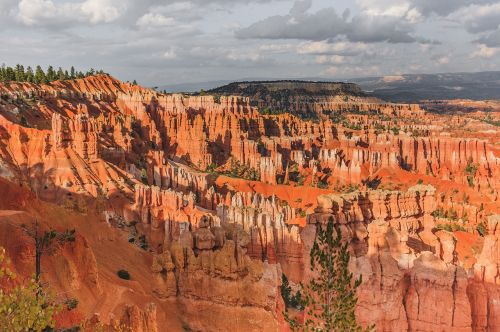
{"type": "Point", "coordinates": [207, 201]}
{"type": "Point", "coordinates": [413, 279]}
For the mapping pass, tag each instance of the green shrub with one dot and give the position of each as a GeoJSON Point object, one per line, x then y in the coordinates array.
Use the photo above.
{"type": "Point", "coordinates": [123, 274]}
{"type": "Point", "coordinates": [481, 229]}
{"type": "Point", "coordinates": [441, 213]}
{"type": "Point", "coordinates": [470, 171]}
{"type": "Point", "coordinates": [452, 227]}
{"type": "Point", "coordinates": [144, 176]}
{"type": "Point", "coordinates": [323, 184]}
{"type": "Point", "coordinates": [291, 300]}
{"type": "Point", "coordinates": [71, 303]}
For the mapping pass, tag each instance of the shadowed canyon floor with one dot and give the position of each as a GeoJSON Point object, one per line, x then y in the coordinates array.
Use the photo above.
{"type": "Point", "coordinates": [206, 200]}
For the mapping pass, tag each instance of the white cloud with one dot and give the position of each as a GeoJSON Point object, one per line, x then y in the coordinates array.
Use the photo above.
{"type": "Point", "coordinates": [479, 18]}
{"type": "Point", "coordinates": [49, 13]}
{"type": "Point", "coordinates": [334, 59]}
{"type": "Point", "coordinates": [326, 23]}
{"type": "Point", "coordinates": [32, 11]}
{"type": "Point", "coordinates": [155, 20]}
{"type": "Point", "coordinates": [443, 60]}
{"type": "Point", "coordinates": [485, 52]}
{"type": "Point", "coordinates": [397, 8]}
{"type": "Point", "coordinates": [103, 11]}
{"type": "Point", "coordinates": [170, 54]}
{"type": "Point", "coordinates": [237, 55]}
{"type": "Point", "coordinates": [352, 71]}
{"type": "Point", "coordinates": [277, 48]}
{"type": "Point", "coordinates": [324, 47]}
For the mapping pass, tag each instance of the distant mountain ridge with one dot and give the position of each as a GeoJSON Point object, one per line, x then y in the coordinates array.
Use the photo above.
{"type": "Point", "coordinates": [396, 88]}
{"type": "Point", "coordinates": [416, 87]}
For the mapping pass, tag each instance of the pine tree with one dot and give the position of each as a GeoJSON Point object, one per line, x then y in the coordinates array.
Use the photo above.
{"type": "Point", "coordinates": [39, 75]}
{"type": "Point", "coordinates": [72, 73]}
{"type": "Point", "coordinates": [19, 73]}
{"type": "Point", "coordinates": [30, 76]}
{"type": "Point", "coordinates": [2, 73]}
{"type": "Point", "coordinates": [11, 74]}
{"type": "Point", "coordinates": [60, 74]}
{"type": "Point", "coordinates": [51, 74]}
{"type": "Point", "coordinates": [66, 75]}
{"type": "Point", "coordinates": [330, 297]}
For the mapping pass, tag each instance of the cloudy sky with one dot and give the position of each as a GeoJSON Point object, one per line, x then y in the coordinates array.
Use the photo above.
{"type": "Point", "coordinates": [180, 41]}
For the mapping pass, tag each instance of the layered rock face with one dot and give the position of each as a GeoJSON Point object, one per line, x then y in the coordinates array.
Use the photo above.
{"type": "Point", "coordinates": [413, 279]}
{"type": "Point", "coordinates": [218, 197]}
{"type": "Point", "coordinates": [209, 271]}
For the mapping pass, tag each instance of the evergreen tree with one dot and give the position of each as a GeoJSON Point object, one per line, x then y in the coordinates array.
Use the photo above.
{"type": "Point", "coordinates": [30, 76]}
{"type": "Point", "coordinates": [11, 74]}
{"type": "Point", "coordinates": [134, 82]}
{"type": "Point", "coordinates": [330, 297]}
{"type": "Point", "coordinates": [291, 300]}
{"type": "Point", "coordinates": [40, 75]}
{"type": "Point", "coordinates": [60, 74]}
{"type": "Point", "coordinates": [51, 74]}
{"type": "Point", "coordinates": [19, 73]}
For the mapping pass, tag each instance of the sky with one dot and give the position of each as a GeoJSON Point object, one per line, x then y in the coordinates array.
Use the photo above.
{"type": "Point", "coordinates": [159, 42]}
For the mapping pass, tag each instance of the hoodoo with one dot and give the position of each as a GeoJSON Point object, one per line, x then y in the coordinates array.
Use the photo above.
{"type": "Point", "coordinates": [190, 211]}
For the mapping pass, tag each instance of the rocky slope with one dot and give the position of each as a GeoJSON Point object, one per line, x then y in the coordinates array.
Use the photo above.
{"type": "Point", "coordinates": [206, 202]}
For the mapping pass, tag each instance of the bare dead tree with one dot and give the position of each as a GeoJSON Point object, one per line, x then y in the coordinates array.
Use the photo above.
{"type": "Point", "coordinates": [45, 242]}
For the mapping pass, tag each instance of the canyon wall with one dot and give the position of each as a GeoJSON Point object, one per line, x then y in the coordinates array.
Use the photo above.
{"type": "Point", "coordinates": [212, 200]}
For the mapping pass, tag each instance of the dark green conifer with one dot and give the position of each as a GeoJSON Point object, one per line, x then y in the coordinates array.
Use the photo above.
{"type": "Point", "coordinates": [329, 299]}
{"type": "Point", "coordinates": [19, 73]}
{"type": "Point", "coordinates": [60, 74]}
{"type": "Point", "coordinates": [30, 76]}
{"type": "Point", "coordinates": [40, 75]}
{"type": "Point", "coordinates": [51, 74]}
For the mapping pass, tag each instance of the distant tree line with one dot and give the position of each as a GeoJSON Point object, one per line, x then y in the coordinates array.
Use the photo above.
{"type": "Point", "coordinates": [20, 74]}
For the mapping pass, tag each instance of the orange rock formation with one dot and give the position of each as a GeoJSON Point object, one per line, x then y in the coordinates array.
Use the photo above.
{"type": "Point", "coordinates": [206, 202]}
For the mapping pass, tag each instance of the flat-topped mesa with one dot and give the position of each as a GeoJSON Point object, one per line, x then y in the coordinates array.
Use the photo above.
{"type": "Point", "coordinates": [80, 133]}
{"type": "Point", "coordinates": [308, 96]}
